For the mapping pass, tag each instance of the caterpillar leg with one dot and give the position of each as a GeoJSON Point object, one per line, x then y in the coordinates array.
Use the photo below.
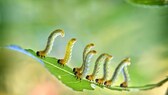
{"type": "Point", "coordinates": [90, 77]}
{"type": "Point", "coordinates": [99, 81]}
{"type": "Point", "coordinates": [77, 70]}
{"type": "Point", "coordinates": [124, 84]}
{"type": "Point", "coordinates": [108, 83]}
{"type": "Point", "coordinates": [41, 54]}
{"type": "Point", "coordinates": [78, 75]}
{"type": "Point", "coordinates": [61, 62]}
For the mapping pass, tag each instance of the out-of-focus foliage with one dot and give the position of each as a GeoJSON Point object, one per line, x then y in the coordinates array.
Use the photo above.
{"type": "Point", "coordinates": [150, 2]}
{"type": "Point", "coordinates": [114, 26]}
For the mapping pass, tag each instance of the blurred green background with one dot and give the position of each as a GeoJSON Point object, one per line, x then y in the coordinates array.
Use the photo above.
{"type": "Point", "coordinates": [115, 26]}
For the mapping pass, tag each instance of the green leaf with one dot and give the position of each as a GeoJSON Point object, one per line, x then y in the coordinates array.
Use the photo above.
{"type": "Point", "coordinates": [149, 2]}
{"type": "Point", "coordinates": [64, 73]}
{"type": "Point", "coordinates": [66, 76]}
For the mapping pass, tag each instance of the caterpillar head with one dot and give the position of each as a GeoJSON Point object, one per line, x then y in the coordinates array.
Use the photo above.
{"type": "Point", "coordinates": [90, 77]}
{"type": "Point", "coordinates": [110, 57]}
{"type": "Point", "coordinates": [127, 61]}
{"type": "Point", "coordinates": [60, 31]}
{"type": "Point", "coordinates": [90, 45]}
{"type": "Point", "coordinates": [73, 40]}
{"type": "Point", "coordinates": [40, 54]}
{"type": "Point", "coordinates": [124, 84]}
{"type": "Point", "coordinates": [108, 83]}
{"type": "Point", "coordinates": [99, 81]}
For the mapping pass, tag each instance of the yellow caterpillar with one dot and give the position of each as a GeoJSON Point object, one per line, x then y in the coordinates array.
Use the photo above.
{"type": "Point", "coordinates": [68, 52]}
{"type": "Point", "coordinates": [82, 74]}
{"type": "Point", "coordinates": [105, 70]}
{"type": "Point", "coordinates": [97, 66]}
{"type": "Point", "coordinates": [121, 67]}
{"type": "Point", "coordinates": [86, 50]}
{"type": "Point", "coordinates": [50, 42]}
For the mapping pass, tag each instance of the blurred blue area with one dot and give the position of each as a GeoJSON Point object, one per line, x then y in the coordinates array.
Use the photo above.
{"type": "Point", "coordinates": [19, 49]}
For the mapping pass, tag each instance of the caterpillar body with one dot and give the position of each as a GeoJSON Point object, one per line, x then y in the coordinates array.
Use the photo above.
{"type": "Point", "coordinates": [97, 66]}
{"type": "Point", "coordinates": [120, 67]}
{"type": "Point", "coordinates": [86, 50]}
{"type": "Point", "coordinates": [86, 65]}
{"type": "Point", "coordinates": [50, 42]}
{"type": "Point", "coordinates": [126, 77]}
{"type": "Point", "coordinates": [105, 70]}
{"type": "Point", "coordinates": [68, 52]}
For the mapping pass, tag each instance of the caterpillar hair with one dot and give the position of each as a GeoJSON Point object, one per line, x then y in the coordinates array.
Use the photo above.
{"type": "Point", "coordinates": [96, 67]}
{"type": "Point", "coordinates": [105, 70]}
{"type": "Point", "coordinates": [86, 50]}
{"type": "Point", "coordinates": [68, 52]}
{"type": "Point", "coordinates": [119, 68]}
{"type": "Point", "coordinates": [89, 55]}
{"type": "Point", "coordinates": [50, 42]}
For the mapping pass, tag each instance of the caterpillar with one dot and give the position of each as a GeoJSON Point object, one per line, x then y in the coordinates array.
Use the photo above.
{"type": "Point", "coordinates": [96, 67]}
{"type": "Point", "coordinates": [68, 52]}
{"type": "Point", "coordinates": [105, 70]}
{"type": "Point", "coordinates": [121, 67]}
{"type": "Point", "coordinates": [82, 74]}
{"type": "Point", "coordinates": [50, 42]}
{"type": "Point", "coordinates": [86, 50]}
{"type": "Point", "coordinates": [126, 77]}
